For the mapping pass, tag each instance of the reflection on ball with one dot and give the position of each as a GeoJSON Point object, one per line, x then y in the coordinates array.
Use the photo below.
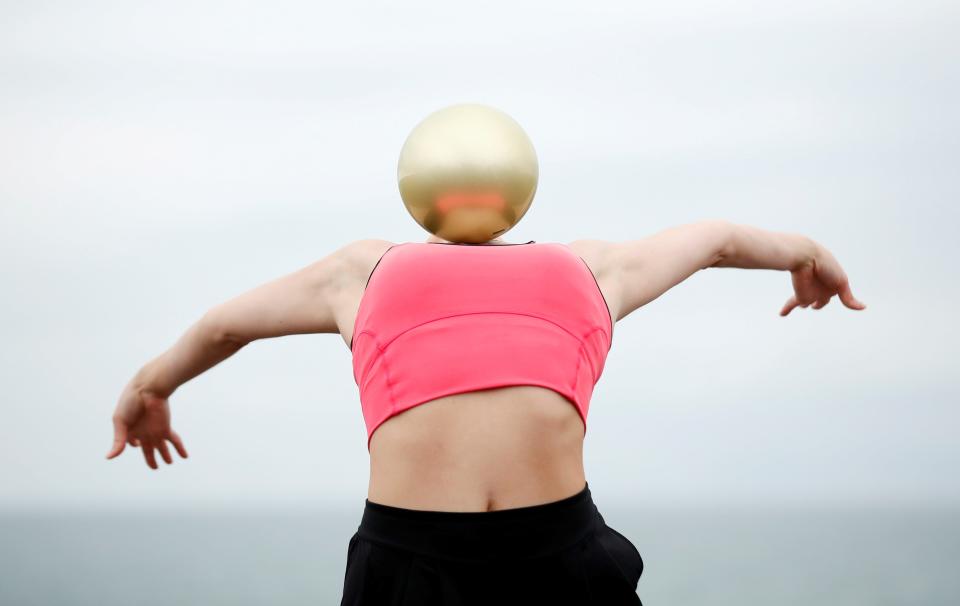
{"type": "Point", "coordinates": [467, 173]}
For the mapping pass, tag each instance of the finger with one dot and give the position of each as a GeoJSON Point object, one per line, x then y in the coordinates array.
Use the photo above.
{"type": "Point", "coordinates": [132, 441]}
{"type": "Point", "coordinates": [165, 452]}
{"type": "Point", "coordinates": [846, 296]}
{"type": "Point", "coordinates": [788, 306]}
{"type": "Point", "coordinates": [119, 438]}
{"type": "Point", "coordinates": [821, 303]}
{"type": "Point", "coordinates": [148, 455]}
{"type": "Point", "coordinates": [178, 444]}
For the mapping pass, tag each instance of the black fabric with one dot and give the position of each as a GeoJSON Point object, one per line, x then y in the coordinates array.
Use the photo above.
{"type": "Point", "coordinates": [559, 553]}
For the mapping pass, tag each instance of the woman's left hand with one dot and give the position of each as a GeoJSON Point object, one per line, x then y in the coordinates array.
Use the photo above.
{"type": "Point", "coordinates": [142, 418]}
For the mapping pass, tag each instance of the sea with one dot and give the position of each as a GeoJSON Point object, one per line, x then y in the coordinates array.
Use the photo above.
{"type": "Point", "coordinates": [703, 556]}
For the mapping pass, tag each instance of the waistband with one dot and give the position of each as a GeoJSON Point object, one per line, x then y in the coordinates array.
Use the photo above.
{"type": "Point", "coordinates": [505, 534]}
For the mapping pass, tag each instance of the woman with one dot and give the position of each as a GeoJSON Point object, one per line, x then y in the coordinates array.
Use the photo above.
{"type": "Point", "coordinates": [475, 364]}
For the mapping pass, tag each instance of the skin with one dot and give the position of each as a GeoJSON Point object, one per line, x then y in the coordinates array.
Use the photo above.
{"type": "Point", "coordinates": [480, 451]}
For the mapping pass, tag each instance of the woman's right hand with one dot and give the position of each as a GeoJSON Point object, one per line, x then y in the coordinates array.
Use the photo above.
{"type": "Point", "coordinates": [142, 418]}
{"type": "Point", "coordinates": [816, 281]}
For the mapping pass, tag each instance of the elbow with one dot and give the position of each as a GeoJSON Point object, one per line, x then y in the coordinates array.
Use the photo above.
{"type": "Point", "coordinates": [719, 237]}
{"type": "Point", "coordinates": [216, 331]}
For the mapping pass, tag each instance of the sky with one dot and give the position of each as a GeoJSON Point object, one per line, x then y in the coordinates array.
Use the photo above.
{"type": "Point", "coordinates": [159, 159]}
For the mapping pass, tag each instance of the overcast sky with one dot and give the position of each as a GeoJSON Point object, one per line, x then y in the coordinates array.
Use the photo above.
{"type": "Point", "coordinates": [159, 158]}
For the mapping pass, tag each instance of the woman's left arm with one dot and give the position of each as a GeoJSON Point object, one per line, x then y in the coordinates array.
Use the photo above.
{"type": "Point", "coordinates": [297, 303]}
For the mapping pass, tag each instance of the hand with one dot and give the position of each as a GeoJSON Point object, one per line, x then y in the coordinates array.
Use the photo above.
{"type": "Point", "coordinates": [817, 281]}
{"type": "Point", "coordinates": [142, 418]}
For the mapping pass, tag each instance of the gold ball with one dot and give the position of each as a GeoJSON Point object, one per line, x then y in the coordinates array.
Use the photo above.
{"type": "Point", "coordinates": [467, 173]}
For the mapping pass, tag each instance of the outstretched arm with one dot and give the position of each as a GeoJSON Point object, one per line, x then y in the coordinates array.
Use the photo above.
{"type": "Point", "coordinates": [816, 274]}
{"type": "Point", "coordinates": [297, 303]}
{"type": "Point", "coordinates": [648, 267]}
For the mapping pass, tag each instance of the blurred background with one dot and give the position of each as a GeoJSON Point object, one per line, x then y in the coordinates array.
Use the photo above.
{"type": "Point", "coordinates": [157, 159]}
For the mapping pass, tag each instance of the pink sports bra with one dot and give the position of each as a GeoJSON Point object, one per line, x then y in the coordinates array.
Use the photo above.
{"type": "Point", "coordinates": [442, 318]}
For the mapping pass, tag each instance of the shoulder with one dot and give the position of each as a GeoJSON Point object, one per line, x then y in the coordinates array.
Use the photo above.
{"type": "Point", "coordinates": [358, 256]}
{"type": "Point", "coordinates": [357, 250]}
{"type": "Point", "coordinates": [366, 245]}
{"type": "Point", "coordinates": [589, 245]}
{"type": "Point", "coordinates": [600, 255]}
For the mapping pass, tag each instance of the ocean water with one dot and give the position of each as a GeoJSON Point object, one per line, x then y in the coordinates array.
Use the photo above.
{"type": "Point", "coordinates": [843, 556]}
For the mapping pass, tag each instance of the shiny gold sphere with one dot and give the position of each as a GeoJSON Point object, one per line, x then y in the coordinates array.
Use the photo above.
{"type": "Point", "coordinates": [467, 173]}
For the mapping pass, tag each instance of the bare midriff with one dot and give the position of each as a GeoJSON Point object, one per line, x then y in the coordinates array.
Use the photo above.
{"type": "Point", "coordinates": [486, 450]}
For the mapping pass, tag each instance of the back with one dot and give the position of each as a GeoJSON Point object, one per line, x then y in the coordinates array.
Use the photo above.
{"type": "Point", "coordinates": [438, 319]}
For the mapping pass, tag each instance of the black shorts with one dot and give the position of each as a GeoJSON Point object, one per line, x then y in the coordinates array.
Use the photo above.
{"type": "Point", "coordinates": [558, 553]}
